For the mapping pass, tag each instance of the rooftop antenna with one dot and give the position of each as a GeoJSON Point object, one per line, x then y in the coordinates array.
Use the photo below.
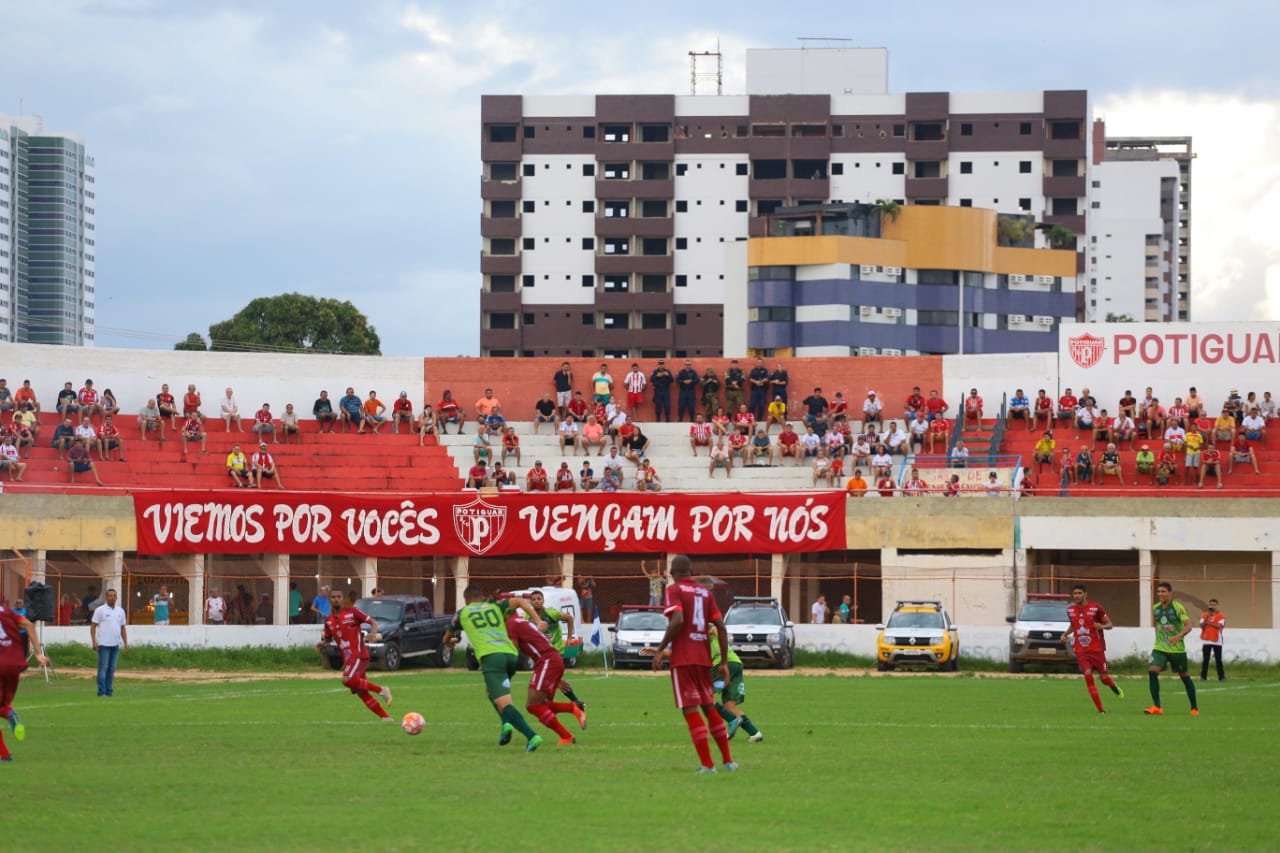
{"type": "Point", "coordinates": [698, 62]}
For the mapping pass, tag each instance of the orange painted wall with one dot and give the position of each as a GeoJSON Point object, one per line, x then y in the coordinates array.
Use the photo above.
{"type": "Point", "coordinates": [518, 382]}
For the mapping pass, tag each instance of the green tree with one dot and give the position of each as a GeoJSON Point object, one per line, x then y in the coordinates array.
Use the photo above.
{"type": "Point", "coordinates": [194, 342]}
{"type": "Point", "coordinates": [1120, 318]}
{"type": "Point", "coordinates": [889, 209]}
{"type": "Point", "coordinates": [292, 322]}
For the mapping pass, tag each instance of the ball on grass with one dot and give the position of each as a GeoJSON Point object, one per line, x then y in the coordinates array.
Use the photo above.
{"type": "Point", "coordinates": [413, 723]}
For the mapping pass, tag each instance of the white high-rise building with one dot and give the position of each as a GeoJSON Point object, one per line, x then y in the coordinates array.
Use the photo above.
{"type": "Point", "coordinates": [47, 240]}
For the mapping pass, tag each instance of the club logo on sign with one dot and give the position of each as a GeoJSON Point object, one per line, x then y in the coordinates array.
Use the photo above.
{"type": "Point", "coordinates": [1086, 350]}
{"type": "Point", "coordinates": [479, 525]}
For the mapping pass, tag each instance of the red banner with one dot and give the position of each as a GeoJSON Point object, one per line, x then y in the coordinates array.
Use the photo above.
{"type": "Point", "coordinates": [461, 524]}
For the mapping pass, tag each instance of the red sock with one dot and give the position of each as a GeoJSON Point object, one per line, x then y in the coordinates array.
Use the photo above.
{"type": "Point", "coordinates": [548, 718]}
{"type": "Point", "coordinates": [1093, 690]}
{"type": "Point", "coordinates": [373, 704]}
{"type": "Point", "coordinates": [719, 733]}
{"type": "Point", "coordinates": [698, 732]}
{"type": "Point", "coordinates": [4, 750]}
{"type": "Point", "coordinates": [561, 707]}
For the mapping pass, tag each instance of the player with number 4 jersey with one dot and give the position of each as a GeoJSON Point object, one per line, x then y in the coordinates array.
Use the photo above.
{"type": "Point", "coordinates": [1088, 621]}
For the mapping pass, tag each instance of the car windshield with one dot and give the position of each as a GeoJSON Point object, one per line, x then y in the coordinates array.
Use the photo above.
{"type": "Point", "coordinates": [1043, 611]}
{"type": "Point", "coordinates": [752, 615]}
{"type": "Point", "coordinates": [642, 620]}
{"type": "Point", "coordinates": [916, 619]}
{"type": "Point", "coordinates": [380, 609]}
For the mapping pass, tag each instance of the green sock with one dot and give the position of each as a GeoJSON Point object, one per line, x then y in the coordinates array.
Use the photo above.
{"type": "Point", "coordinates": [569, 694]}
{"type": "Point", "coordinates": [1153, 681]}
{"type": "Point", "coordinates": [725, 714]}
{"type": "Point", "coordinates": [513, 716]}
{"type": "Point", "coordinates": [749, 726]}
{"type": "Point", "coordinates": [1191, 690]}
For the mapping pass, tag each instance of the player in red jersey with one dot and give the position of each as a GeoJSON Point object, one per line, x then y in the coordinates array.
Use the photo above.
{"type": "Point", "coordinates": [690, 610]}
{"type": "Point", "coordinates": [13, 660]}
{"type": "Point", "coordinates": [343, 627]}
{"type": "Point", "coordinates": [548, 671]}
{"type": "Point", "coordinates": [1088, 621]}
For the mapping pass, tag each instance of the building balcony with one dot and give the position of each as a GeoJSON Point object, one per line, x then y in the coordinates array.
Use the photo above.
{"type": "Point", "coordinates": [499, 301]}
{"type": "Point", "coordinates": [631, 300]}
{"type": "Point", "coordinates": [809, 147]}
{"type": "Point", "coordinates": [932, 149]}
{"type": "Point", "coordinates": [500, 190]}
{"type": "Point", "coordinates": [1065, 149]}
{"type": "Point", "coordinates": [628, 264]}
{"type": "Point", "coordinates": [506, 227]}
{"type": "Point", "coordinates": [499, 264]}
{"type": "Point", "coordinates": [925, 188]}
{"type": "Point", "coordinates": [613, 189]}
{"type": "Point", "coordinates": [501, 152]}
{"type": "Point", "coordinates": [608, 152]}
{"type": "Point", "coordinates": [611, 338]}
{"type": "Point", "coordinates": [771, 335]}
{"type": "Point", "coordinates": [500, 339]}
{"type": "Point", "coordinates": [1064, 187]}
{"type": "Point", "coordinates": [1074, 222]}
{"type": "Point", "coordinates": [628, 226]}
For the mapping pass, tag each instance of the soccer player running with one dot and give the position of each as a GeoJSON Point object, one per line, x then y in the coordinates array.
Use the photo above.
{"type": "Point", "coordinates": [13, 660]}
{"type": "Point", "coordinates": [1172, 627]}
{"type": "Point", "coordinates": [484, 623]}
{"type": "Point", "coordinates": [343, 627]}
{"type": "Point", "coordinates": [732, 692]}
{"type": "Point", "coordinates": [548, 669]}
{"type": "Point", "coordinates": [690, 610]}
{"type": "Point", "coordinates": [1088, 621]}
{"type": "Point", "coordinates": [553, 617]}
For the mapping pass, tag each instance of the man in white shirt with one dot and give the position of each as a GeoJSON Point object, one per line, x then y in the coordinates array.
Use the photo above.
{"type": "Point", "coordinates": [569, 435]}
{"type": "Point", "coordinates": [613, 462]}
{"type": "Point", "coordinates": [1254, 425]}
{"type": "Point", "coordinates": [871, 408]}
{"type": "Point", "coordinates": [896, 439]}
{"type": "Point", "coordinates": [919, 428]}
{"type": "Point", "coordinates": [215, 609]}
{"type": "Point", "coordinates": [109, 636]}
{"type": "Point", "coordinates": [230, 409]}
{"type": "Point", "coordinates": [959, 454]}
{"type": "Point", "coordinates": [10, 461]}
{"type": "Point", "coordinates": [819, 611]}
{"type": "Point", "coordinates": [90, 435]}
{"type": "Point", "coordinates": [263, 465]}
{"type": "Point", "coordinates": [635, 381]}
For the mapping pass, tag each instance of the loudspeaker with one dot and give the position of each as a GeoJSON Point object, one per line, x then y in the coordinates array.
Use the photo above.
{"type": "Point", "coordinates": [39, 601]}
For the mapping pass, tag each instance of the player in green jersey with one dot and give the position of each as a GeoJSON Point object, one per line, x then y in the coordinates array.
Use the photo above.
{"type": "Point", "coordinates": [484, 623]}
{"type": "Point", "coordinates": [732, 691]}
{"type": "Point", "coordinates": [553, 617]}
{"type": "Point", "coordinates": [1172, 626]}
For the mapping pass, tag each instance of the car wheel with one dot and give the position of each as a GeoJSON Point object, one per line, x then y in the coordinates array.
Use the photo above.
{"type": "Point", "coordinates": [334, 663]}
{"type": "Point", "coordinates": [1016, 666]}
{"type": "Point", "coordinates": [391, 659]}
{"type": "Point", "coordinates": [952, 665]}
{"type": "Point", "coordinates": [444, 656]}
{"type": "Point", "coordinates": [787, 659]}
{"type": "Point", "coordinates": [881, 666]}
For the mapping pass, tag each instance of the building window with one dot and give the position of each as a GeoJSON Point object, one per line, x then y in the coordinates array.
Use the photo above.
{"type": "Point", "coordinates": [653, 284]}
{"type": "Point", "coordinates": [527, 318]}
{"type": "Point", "coordinates": [588, 244]}
{"type": "Point", "coordinates": [528, 280]}
{"type": "Point", "coordinates": [966, 128]}
{"type": "Point", "coordinates": [589, 206]}
{"type": "Point", "coordinates": [654, 246]}
{"type": "Point", "coordinates": [617, 246]}
{"type": "Point", "coordinates": [899, 168]}
{"type": "Point", "coordinates": [899, 130]}
{"type": "Point", "coordinates": [681, 168]}
{"type": "Point", "coordinates": [1024, 128]}
{"type": "Point", "coordinates": [1024, 204]}
{"type": "Point", "coordinates": [1063, 207]}
{"type": "Point", "coordinates": [502, 320]}
{"type": "Point", "coordinates": [529, 244]}
{"type": "Point", "coordinates": [740, 168]}
{"type": "Point", "coordinates": [654, 209]}
{"type": "Point", "coordinates": [740, 206]}
{"type": "Point", "coordinates": [681, 318]}
{"type": "Point", "coordinates": [966, 202]}
{"type": "Point", "coordinates": [588, 170]}
{"type": "Point", "coordinates": [588, 131]}
{"type": "Point", "coordinates": [1064, 130]}
{"type": "Point", "coordinates": [837, 168]}
{"type": "Point", "coordinates": [682, 243]}
{"type": "Point", "coordinates": [529, 170]}
{"type": "Point", "coordinates": [529, 131]}
{"type": "Point", "coordinates": [502, 133]}
{"type": "Point", "coordinates": [588, 318]}
{"type": "Point", "coordinates": [528, 206]}
{"type": "Point", "coordinates": [966, 167]}
{"type": "Point", "coordinates": [502, 246]}
{"type": "Point", "coordinates": [1024, 167]}
{"type": "Point", "coordinates": [502, 284]}
{"type": "Point", "coordinates": [924, 131]}
{"type": "Point", "coordinates": [682, 281]}
{"type": "Point", "coordinates": [653, 320]}
{"type": "Point", "coordinates": [617, 171]}
{"type": "Point", "coordinates": [618, 320]}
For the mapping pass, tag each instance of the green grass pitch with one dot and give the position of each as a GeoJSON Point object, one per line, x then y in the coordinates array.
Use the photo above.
{"type": "Point", "coordinates": [889, 763]}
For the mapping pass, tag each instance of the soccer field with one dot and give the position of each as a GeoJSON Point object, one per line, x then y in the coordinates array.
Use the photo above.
{"type": "Point", "coordinates": [898, 762]}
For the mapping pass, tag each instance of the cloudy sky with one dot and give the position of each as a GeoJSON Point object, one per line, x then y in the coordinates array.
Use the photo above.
{"type": "Point", "coordinates": [332, 147]}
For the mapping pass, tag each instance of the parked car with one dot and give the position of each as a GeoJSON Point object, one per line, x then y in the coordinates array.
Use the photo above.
{"type": "Point", "coordinates": [636, 628]}
{"type": "Point", "coordinates": [760, 632]}
{"type": "Point", "coordinates": [1036, 635]}
{"type": "Point", "coordinates": [409, 629]}
{"type": "Point", "coordinates": [918, 632]}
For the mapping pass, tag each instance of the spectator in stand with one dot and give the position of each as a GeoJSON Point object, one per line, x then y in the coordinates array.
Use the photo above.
{"type": "Point", "coordinates": [861, 450]}
{"type": "Point", "coordinates": [263, 464]}
{"type": "Point", "coordinates": [762, 449]}
{"type": "Point", "coordinates": [544, 412]}
{"type": "Point", "coordinates": [1250, 402]}
{"type": "Point", "coordinates": [1254, 425]}
{"type": "Point", "coordinates": [569, 434]}
{"type": "Point", "coordinates": [710, 384]}
{"type": "Point", "coordinates": [635, 383]}
{"type": "Point", "coordinates": [495, 423]}
{"type": "Point", "coordinates": [289, 424]}
{"type": "Point", "coordinates": [916, 485]}
{"type": "Point", "coordinates": [88, 398]}
{"type": "Point", "coordinates": [810, 442]}
{"type": "Point", "coordinates": [109, 404]}
{"type": "Point", "coordinates": [602, 384]}
{"type": "Point", "coordinates": [881, 462]}
{"type": "Point", "coordinates": [758, 387]}
{"type": "Point", "coordinates": [322, 411]}
{"type": "Point", "coordinates": [886, 486]}
{"type": "Point", "coordinates": [661, 380]}
{"type": "Point", "coordinates": [737, 443]}
{"type": "Point", "coordinates": [481, 447]}
{"type": "Point", "coordinates": [428, 424]}
{"type": "Point", "coordinates": [449, 412]}
{"type": "Point", "coordinates": [1024, 487]}
{"type": "Point", "coordinates": [86, 433]}
{"type": "Point", "coordinates": [635, 444]}
{"type": "Point", "coordinates": [936, 406]}
{"type": "Point", "coordinates": [1191, 462]}
{"type": "Point", "coordinates": [952, 488]}
{"type": "Point", "coordinates": [1156, 417]}
{"type": "Point", "coordinates": [1067, 407]}
{"type": "Point", "coordinates": [26, 394]}
{"type": "Point", "coordinates": [856, 487]}
{"type": "Point", "coordinates": [229, 410]}
{"type": "Point", "coordinates": [1242, 451]}
{"type": "Point", "coordinates": [1145, 462]}
{"type": "Point", "coordinates": [919, 428]}
{"type": "Point", "coordinates": [78, 462]}
{"type": "Point", "coordinates": [26, 428]}
{"type": "Point", "coordinates": [478, 475]}
{"type": "Point", "coordinates": [915, 406]}
{"type": "Point", "coordinates": [839, 409]}
{"type": "Point", "coordinates": [872, 409]}
{"type": "Point", "coordinates": [1084, 465]}
{"type": "Point", "coordinates": [720, 423]}
{"type": "Point", "coordinates": [779, 382]}
{"type": "Point", "coordinates": [168, 406]}
{"type": "Point", "coordinates": [687, 385]}
{"type": "Point", "coordinates": [111, 438]}
{"type": "Point", "coordinates": [1235, 405]}
{"type": "Point", "coordinates": [1267, 408]}
{"type": "Point", "coordinates": [593, 435]}
{"type": "Point", "coordinates": [485, 405]}
{"type": "Point", "coordinates": [647, 479]}
{"type": "Point", "coordinates": [402, 413]}
{"type": "Point", "coordinates": [149, 420]}
{"type": "Point", "coordinates": [64, 435]}
{"type": "Point", "coordinates": [833, 441]}
{"type": "Point", "coordinates": [1019, 409]}
{"type": "Point", "coordinates": [1210, 464]}
{"type": "Point", "coordinates": [238, 467]}
{"type": "Point", "coordinates": [614, 459]}
{"type": "Point", "coordinates": [1125, 430]}
{"type": "Point", "coordinates": [719, 457]}
{"type": "Point", "coordinates": [743, 421]}
{"type": "Point", "coordinates": [1166, 465]}
{"type": "Point", "coordinates": [817, 411]}
{"type": "Point", "coordinates": [611, 480]}
{"type": "Point", "coordinates": [1044, 450]}
{"type": "Point", "coordinates": [510, 444]}
{"type": "Point", "coordinates": [193, 430]}
{"type": "Point", "coordinates": [972, 409]}
{"type": "Point", "coordinates": [536, 480]}
{"type": "Point", "coordinates": [1144, 403]}
{"type": "Point", "coordinates": [374, 414]}
{"type": "Point", "coordinates": [6, 396]}
{"type": "Point", "coordinates": [994, 489]}
{"type": "Point", "coordinates": [1224, 428]}
{"type": "Point", "coordinates": [1085, 417]}
{"type": "Point", "coordinates": [1103, 428]}
{"type": "Point", "coordinates": [1177, 412]}
{"type": "Point", "coordinates": [68, 404]}
{"type": "Point", "coordinates": [564, 478]}
{"type": "Point", "coordinates": [700, 433]}
{"type": "Point", "coordinates": [1128, 405]}
{"type": "Point", "coordinates": [1110, 464]}
{"type": "Point", "coordinates": [896, 440]}
{"type": "Point", "coordinates": [9, 460]}
{"type": "Point", "coordinates": [191, 403]}
{"type": "Point", "coordinates": [959, 457]}
{"type": "Point", "coordinates": [1175, 436]}
{"type": "Point", "coordinates": [504, 478]}
{"type": "Point", "coordinates": [822, 468]}
{"type": "Point", "coordinates": [789, 445]}
{"type": "Point", "coordinates": [264, 423]}
{"type": "Point", "coordinates": [939, 432]}
{"type": "Point", "coordinates": [777, 414]}
{"type": "Point", "coordinates": [563, 384]}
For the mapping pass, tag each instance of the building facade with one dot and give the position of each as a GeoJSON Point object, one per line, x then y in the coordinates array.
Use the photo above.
{"type": "Point", "coordinates": [47, 235]}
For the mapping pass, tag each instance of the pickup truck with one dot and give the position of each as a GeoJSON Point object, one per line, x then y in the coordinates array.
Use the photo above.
{"type": "Point", "coordinates": [409, 629]}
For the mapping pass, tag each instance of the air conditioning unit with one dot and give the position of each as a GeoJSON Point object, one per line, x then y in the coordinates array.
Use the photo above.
{"type": "Point", "coordinates": [1044, 279]}
{"type": "Point", "coordinates": [1017, 279]}
{"type": "Point", "coordinates": [867, 351]}
{"type": "Point", "coordinates": [1016, 320]}
{"type": "Point", "coordinates": [890, 351]}
{"type": "Point", "coordinates": [866, 311]}
{"type": "Point", "coordinates": [1045, 321]}
{"type": "Point", "coordinates": [893, 313]}
{"type": "Point", "coordinates": [868, 269]}
{"type": "Point", "coordinates": [893, 271]}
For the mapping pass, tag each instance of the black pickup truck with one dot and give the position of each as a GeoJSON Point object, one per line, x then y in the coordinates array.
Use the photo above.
{"type": "Point", "coordinates": [409, 629]}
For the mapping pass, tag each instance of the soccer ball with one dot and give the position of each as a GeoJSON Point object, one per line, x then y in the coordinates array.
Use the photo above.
{"type": "Point", "coordinates": [413, 723]}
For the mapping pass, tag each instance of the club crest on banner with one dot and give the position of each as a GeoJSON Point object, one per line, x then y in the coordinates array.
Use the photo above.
{"type": "Point", "coordinates": [1086, 350]}
{"type": "Point", "coordinates": [479, 524]}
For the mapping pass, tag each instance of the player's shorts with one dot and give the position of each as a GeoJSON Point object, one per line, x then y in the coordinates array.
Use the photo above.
{"type": "Point", "coordinates": [354, 669]}
{"type": "Point", "coordinates": [735, 689]}
{"type": "Point", "coordinates": [497, 669]}
{"type": "Point", "coordinates": [692, 686]}
{"type": "Point", "coordinates": [1092, 659]}
{"type": "Point", "coordinates": [9, 676]}
{"type": "Point", "coordinates": [1176, 661]}
{"type": "Point", "coordinates": [547, 674]}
